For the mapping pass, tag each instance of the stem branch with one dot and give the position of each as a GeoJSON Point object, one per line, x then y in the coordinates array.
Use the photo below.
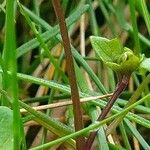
{"type": "Point", "coordinates": [119, 89]}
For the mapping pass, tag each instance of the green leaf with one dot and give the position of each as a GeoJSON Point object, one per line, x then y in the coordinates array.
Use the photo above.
{"type": "Point", "coordinates": [6, 128]}
{"type": "Point", "coordinates": [114, 55]}
{"type": "Point", "coordinates": [107, 50]}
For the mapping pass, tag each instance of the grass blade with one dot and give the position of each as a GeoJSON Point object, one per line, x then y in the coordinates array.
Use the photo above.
{"type": "Point", "coordinates": [10, 63]}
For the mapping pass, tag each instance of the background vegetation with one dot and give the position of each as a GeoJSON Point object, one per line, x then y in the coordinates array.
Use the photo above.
{"type": "Point", "coordinates": [33, 74]}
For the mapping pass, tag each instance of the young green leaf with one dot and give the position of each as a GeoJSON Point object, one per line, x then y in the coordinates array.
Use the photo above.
{"type": "Point", "coordinates": [107, 50]}
{"type": "Point", "coordinates": [114, 55]}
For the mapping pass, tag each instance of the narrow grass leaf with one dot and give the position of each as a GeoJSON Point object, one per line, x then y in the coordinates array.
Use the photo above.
{"type": "Point", "coordinates": [11, 65]}
{"type": "Point", "coordinates": [51, 31]}
{"type": "Point", "coordinates": [137, 135]}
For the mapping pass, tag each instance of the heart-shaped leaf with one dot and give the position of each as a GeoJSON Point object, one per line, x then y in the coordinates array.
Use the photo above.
{"type": "Point", "coordinates": [121, 60]}
{"type": "Point", "coordinates": [6, 128]}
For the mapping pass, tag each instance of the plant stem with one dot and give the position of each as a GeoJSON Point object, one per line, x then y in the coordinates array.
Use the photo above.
{"type": "Point", "coordinates": [80, 142]}
{"type": "Point", "coordinates": [120, 88]}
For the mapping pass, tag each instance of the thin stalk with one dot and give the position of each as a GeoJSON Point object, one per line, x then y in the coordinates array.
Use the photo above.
{"type": "Point", "coordinates": [23, 144]}
{"type": "Point", "coordinates": [135, 28]}
{"type": "Point", "coordinates": [11, 64]}
{"type": "Point", "coordinates": [120, 88]}
{"type": "Point", "coordinates": [80, 142]}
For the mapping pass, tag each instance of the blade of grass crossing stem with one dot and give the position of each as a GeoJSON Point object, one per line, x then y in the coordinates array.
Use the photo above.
{"type": "Point", "coordinates": [134, 26]}
{"type": "Point", "coordinates": [44, 82]}
{"type": "Point", "coordinates": [10, 50]}
{"type": "Point", "coordinates": [76, 55]}
{"type": "Point", "coordinates": [67, 90]}
{"type": "Point", "coordinates": [90, 109]}
{"type": "Point", "coordinates": [146, 14]}
{"type": "Point", "coordinates": [138, 119]}
{"type": "Point", "coordinates": [139, 109]}
{"type": "Point", "coordinates": [91, 127]}
{"type": "Point", "coordinates": [138, 136]}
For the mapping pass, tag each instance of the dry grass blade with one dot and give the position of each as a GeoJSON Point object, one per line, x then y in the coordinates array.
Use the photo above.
{"type": "Point", "coordinates": [66, 103]}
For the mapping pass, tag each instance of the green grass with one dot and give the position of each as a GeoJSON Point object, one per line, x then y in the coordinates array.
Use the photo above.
{"type": "Point", "coordinates": [33, 72]}
{"type": "Point", "coordinates": [10, 64]}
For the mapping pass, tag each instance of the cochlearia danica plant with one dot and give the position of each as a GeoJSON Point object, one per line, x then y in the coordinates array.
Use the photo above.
{"type": "Point", "coordinates": [121, 60]}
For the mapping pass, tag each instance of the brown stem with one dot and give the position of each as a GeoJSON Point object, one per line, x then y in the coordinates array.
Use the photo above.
{"type": "Point", "coordinates": [80, 142]}
{"type": "Point", "coordinates": [119, 89]}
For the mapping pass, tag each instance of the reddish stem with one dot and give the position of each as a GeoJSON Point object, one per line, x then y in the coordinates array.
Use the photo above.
{"type": "Point", "coordinates": [80, 142]}
{"type": "Point", "coordinates": [119, 89]}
